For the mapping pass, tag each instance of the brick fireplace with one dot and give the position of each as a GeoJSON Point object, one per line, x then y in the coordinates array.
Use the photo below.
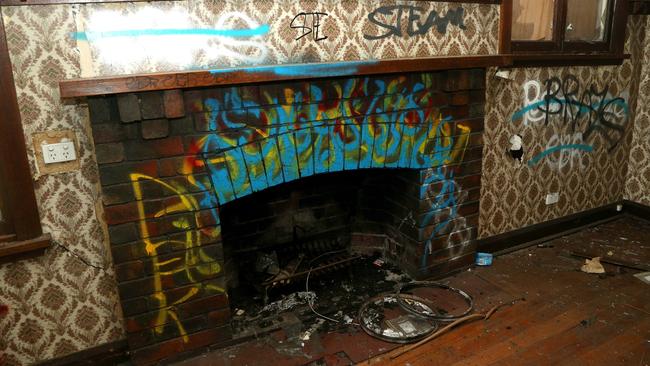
{"type": "Point", "coordinates": [173, 164]}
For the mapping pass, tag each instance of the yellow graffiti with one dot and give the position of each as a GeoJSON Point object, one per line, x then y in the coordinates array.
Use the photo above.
{"type": "Point", "coordinates": [192, 260]}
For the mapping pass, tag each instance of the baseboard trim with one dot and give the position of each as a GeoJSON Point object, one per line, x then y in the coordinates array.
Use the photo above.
{"type": "Point", "coordinates": [533, 234]}
{"type": "Point", "coordinates": [111, 353]}
{"type": "Point", "coordinates": [636, 209]}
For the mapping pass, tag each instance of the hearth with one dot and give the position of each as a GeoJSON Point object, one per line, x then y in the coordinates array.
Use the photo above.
{"type": "Point", "coordinates": [247, 186]}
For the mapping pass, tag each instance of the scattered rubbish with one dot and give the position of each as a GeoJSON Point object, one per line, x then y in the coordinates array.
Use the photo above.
{"type": "Point", "coordinates": [644, 276]}
{"type": "Point", "coordinates": [347, 319]}
{"type": "Point", "coordinates": [306, 335]}
{"type": "Point", "coordinates": [382, 317]}
{"type": "Point", "coordinates": [267, 263]}
{"type": "Point", "coordinates": [593, 266]}
{"type": "Point", "coordinates": [379, 262]}
{"type": "Point", "coordinates": [545, 245]}
{"type": "Point", "coordinates": [452, 325]}
{"type": "Point", "coordinates": [289, 302]}
{"type": "Point", "coordinates": [610, 253]}
{"type": "Point", "coordinates": [637, 309]}
{"type": "Point", "coordinates": [424, 306]}
{"type": "Point", "coordinates": [614, 261]}
{"type": "Point", "coordinates": [588, 322]}
{"type": "Point", "coordinates": [483, 259]}
{"type": "Point", "coordinates": [239, 312]}
{"type": "Point", "coordinates": [394, 277]}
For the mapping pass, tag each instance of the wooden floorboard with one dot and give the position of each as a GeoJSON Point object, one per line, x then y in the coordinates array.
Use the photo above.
{"type": "Point", "coordinates": [569, 317]}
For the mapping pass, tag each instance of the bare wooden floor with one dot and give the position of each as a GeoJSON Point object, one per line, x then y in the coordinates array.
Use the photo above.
{"type": "Point", "coordinates": [568, 317]}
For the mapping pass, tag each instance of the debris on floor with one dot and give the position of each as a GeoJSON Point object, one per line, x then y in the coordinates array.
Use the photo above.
{"type": "Point", "coordinates": [289, 302]}
{"type": "Point", "coordinates": [483, 259]}
{"type": "Point", "coordinates": [593, 266]}
{"type": "Point", "coordinates": [383, 318]}
{"type": "Point", "coordinates": [644, 277]}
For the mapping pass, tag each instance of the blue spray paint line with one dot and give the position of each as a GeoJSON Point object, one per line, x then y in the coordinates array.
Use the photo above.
{"type": "Point", "coordinates": [315, 70]}
{"type": "Point", "coordinates": [582, 107]}
{"type": "Point", "coordinates": [543, 154]}
{"type": "Point", "coordinates": [234, 33]}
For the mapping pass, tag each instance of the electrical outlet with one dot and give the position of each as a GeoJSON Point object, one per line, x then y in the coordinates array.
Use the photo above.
{"type": "Point", "coordinates": [552, 198]}
{"type": "Point", "coordinates": [59, 152]}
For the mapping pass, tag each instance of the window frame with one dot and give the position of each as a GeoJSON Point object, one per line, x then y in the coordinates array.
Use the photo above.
{"type": "Point", "coordinates": [560, 51]}
{"type": "Point", "coordinates": [21, 235]}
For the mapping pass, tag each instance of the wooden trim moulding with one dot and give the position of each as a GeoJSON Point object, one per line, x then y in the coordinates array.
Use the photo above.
{"type": "Point", "coordinates": [14, 168]}
{"type": "Point", "coordinates": [533, 234]}
{"type": "Point", "coordinates": [113, 353]}
{"type": "Point", "coordinates": [15, 250]}
{"type": "Point", "coordinates": [75, 88]}
{"type": "Point", "coordinates": [566, 59]}
{"type": "Point", "coordinates": [636, 209]}
{"type": "Point", "coordinates": [538, 233]}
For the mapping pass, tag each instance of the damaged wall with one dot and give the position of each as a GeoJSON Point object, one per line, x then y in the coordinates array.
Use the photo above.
{"type": "Point", "coordinates": [578, 148]}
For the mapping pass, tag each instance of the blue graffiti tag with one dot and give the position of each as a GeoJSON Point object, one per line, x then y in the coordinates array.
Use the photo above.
{"type": "Point", "coordinates": [588, 111]}
{"type": "Point", "coordinates": [233, 33]}
{"type": "Point", "coordinates": [297, 70]}
{"type": "Point", "coordinates": [547, 152]}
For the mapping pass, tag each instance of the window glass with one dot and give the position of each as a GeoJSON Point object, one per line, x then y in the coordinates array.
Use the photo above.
{"type": "Point", "coordinates": [532, 20]}
{"type": "Point", "coordinates": [586, 20]}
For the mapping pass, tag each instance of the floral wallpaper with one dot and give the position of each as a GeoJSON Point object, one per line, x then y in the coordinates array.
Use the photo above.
{"type": "Point", "coordinates": [638, 175]}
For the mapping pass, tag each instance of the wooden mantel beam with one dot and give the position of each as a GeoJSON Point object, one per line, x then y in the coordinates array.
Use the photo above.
{"type": "Point", "coordinates": [84, 87]}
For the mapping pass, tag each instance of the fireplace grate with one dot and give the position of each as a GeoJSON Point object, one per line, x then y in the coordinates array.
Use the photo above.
{"type": "Point", "coordinates": [331, 264]}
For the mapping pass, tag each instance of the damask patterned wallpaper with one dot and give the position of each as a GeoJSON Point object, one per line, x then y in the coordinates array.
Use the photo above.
{"type": "Point", "coordinates": [341, 31]}
{"type": "Point", "coordinates": [580, 152]}
{"type": "Point", "coordinates": [57, 303]}
{"type": "Point", "coordinates": [638, 176]}
{"type": "Point", "coordinates": [61, 303]}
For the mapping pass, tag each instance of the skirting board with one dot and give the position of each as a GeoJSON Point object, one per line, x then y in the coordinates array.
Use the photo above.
{"type": "Point", "coordinates": [538, 233]}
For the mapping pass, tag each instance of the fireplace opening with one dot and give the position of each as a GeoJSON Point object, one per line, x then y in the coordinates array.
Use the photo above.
{"type": "Point", "coordinates": [327, 242]}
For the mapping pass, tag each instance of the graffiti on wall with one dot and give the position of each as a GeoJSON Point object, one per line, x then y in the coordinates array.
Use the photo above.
{"type": "Point", "coordinates": [352, 129]}
{"type": "Point", "coordinates": [193, 263]}
{"type": "Point", "coordinates": [418, 22]}
{"type": "Point", "coordinates": [339, 125]}
{"type": "Point", "coordinates": [150, 34]}
{"type": "Point", "coordinates": [156, 38]}
{"type": "Point", "coordinates": [578, 115]}
{"type": "Point", "coordinates": [308, 23]}
{"type": "Point", "coordinates": [445, 196]}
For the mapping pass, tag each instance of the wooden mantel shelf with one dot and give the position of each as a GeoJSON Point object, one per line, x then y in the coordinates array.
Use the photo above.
{"type": "Point", "coordinates": [191, 79]}
{"type": "Point", "coordinates": [14, 250]}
